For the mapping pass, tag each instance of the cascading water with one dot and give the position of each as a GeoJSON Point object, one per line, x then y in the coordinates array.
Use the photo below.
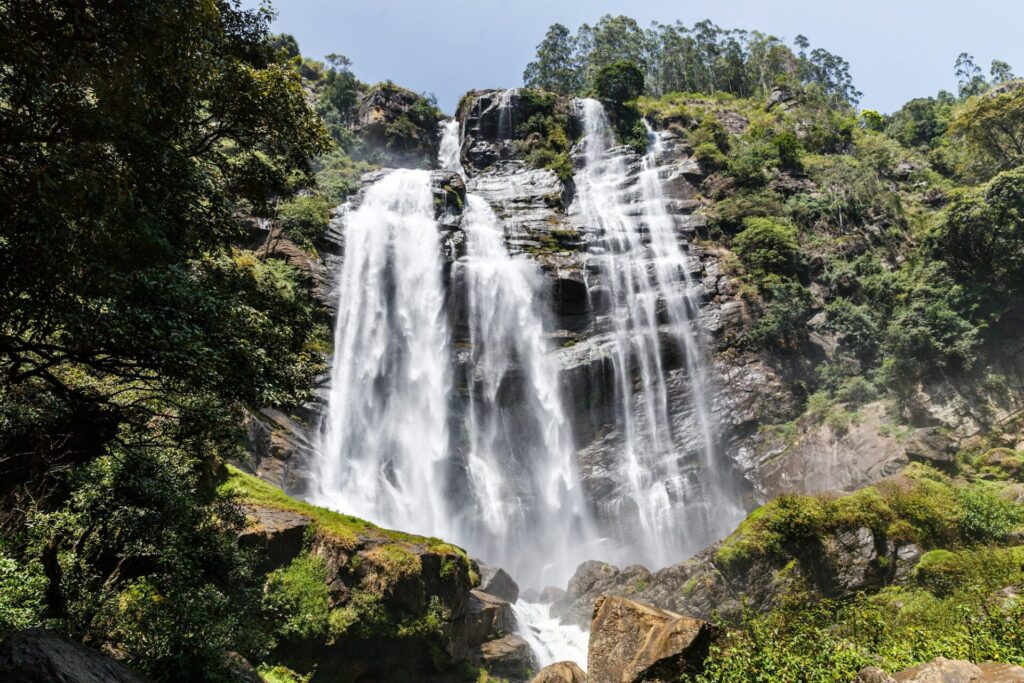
{"type": "Point", "coordinates": [487, 464]}
{"type": "Point", "coordinates": [679, 491]}
{"type": "Point", "coordinates": [386, 433]}
{"type": "Point", "coordinates": [524, 491]}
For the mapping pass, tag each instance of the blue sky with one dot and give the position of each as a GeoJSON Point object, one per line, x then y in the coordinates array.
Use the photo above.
{"type": "Point", "coordinates": [897, 49]}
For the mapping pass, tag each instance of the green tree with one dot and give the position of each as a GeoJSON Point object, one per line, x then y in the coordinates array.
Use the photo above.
{"type": "Point", "coordinates": [970, 81]}
{"type": "Point", "coordinates": [555, 67]}
{"type": "Point", "coordinates": [133, 331]}
{"type": "Point", "coordinates": [992, 126]}
{"type": "Point", "coordinates": [619, 82]}
{"type": "Point", "coordinates": [1001, 72]}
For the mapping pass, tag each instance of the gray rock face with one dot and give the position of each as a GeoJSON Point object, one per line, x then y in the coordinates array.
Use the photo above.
{"type": "Point", "coordinates": [489, 618]}
{"type": "Point", "coordinates": [37, 655]}
{"type": "Point", "coordinates": [509, 656]}
{"type": "Point", "coordinates": [497, 582]}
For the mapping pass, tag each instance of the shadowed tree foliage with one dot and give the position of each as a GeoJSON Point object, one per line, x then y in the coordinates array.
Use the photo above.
{"type": "Point", "coordinates": [133, 331]}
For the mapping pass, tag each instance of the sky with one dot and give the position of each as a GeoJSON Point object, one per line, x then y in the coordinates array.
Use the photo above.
{"type": "Point", "coordinates": [897, 49]}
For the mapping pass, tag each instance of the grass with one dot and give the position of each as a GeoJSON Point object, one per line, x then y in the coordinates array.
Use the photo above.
{"type": "Point", "coordinates": [348, 530]}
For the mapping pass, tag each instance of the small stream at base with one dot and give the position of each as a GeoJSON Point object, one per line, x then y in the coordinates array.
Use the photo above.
{"type": "Point", "coordinates": [551, 640]}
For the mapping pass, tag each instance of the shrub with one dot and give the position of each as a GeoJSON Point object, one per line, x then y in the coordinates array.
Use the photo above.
{"type": "Point", "coordinates": [766, 246]}
{"type": "Point", "coordinates": [785, 308]}
{"type": "Point", "coordinates": [987, 517]}
{"type": "Point", "coordinates": [749, 163]}
{"type": "Point", "coordinates": [22, 594]}
{"type": "Point", "coordinates": [297, 600]}
{"type": "Point", "coordinates": [305, 218]}
{"type": "Point", "coordinates": [710, 157]}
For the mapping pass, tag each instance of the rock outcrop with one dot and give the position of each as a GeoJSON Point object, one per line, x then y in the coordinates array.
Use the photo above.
{"type": "Point", "coordinates": [942, 670]}
{"type": "Point", "coordinates": [37, 655]}
{"type": "Point", "coordinates": [406, 605]}
{"type": "Point", "coordinates": [630, 641]}
{"type": "Point", "coordinates": [397, 126]}
{"type": "Point", "coordinates": [560, 672]}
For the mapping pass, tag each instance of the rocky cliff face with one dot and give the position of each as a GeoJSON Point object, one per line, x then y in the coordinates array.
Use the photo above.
{"type": "Point", "coordinates": [751, 393]}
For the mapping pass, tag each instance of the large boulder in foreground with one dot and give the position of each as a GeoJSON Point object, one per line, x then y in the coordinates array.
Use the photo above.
{"type": "Point", "coordinates": [37, 655]}
{"type": "Point", "coordinates": [630, 641]}
{"type": "Point", "coordinates": [560, 672]}
{"type": "Point", "coordinates": [942, 670]}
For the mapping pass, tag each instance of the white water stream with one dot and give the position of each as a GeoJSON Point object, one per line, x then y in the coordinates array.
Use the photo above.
{"type": "Point", "coordinates": [463, 434]}
{"type": "Point", "coordinates": [677, 490]}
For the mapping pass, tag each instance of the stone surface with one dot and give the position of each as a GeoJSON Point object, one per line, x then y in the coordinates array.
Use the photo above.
{"type": "Point", "coordinates": [497, 582]}
{"type": "Point", "coordinates": [278, 535]}
{"type": "Point", "coordinates": [488, 617]}
{"type": "Point", "coordinates": [942, 670]}
{"type": "Point", "coordinates": [509, 656]}
{"type": "Point", "coordinates": [560, 672]}
{"type": "Point", "coordinates": [37, 655]}
{"type": "Point", "coordinates": [630, 641]}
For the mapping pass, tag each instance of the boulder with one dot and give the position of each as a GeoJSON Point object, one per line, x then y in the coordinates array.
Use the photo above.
{"type": "Point", "coordinates": [278, 535]}
{"type": "Point", "coordinates": [508, 656]}
{"type": "Point", "coordinates": [496, 581]}
{"type": "Point", "coordinates": [942, 670]}
{"type": "Point", "coordinates": [630, 641]}
{"type": "Point", "coordinates": [551, 594]}
{"type": "Point", "coordinates": [560, 672]}
{"type": "Point", "coordinates": [38, 655]}
{"type": "Point", "coordinates": [488, 617]}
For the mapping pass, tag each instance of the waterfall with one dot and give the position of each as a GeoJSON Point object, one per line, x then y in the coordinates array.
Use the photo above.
{"type": "Point", "coordinates": [461, 438]}
{"type": "Point", "coordinates": [525, 510]}
{"type": "Point", "coordinates": [678, 492]}
{"type": "Point", "coordinates": [520, 454]}
{"type": "Point", "coordinates": [450, 150]}
{"type": "Point", "coordinates": [385, 438]}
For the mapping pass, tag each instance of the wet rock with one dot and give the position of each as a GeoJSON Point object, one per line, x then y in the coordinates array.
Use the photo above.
{"type": "Point", "coordinates": [496, 581]}
{"type": "Point", "coordinates": [560, 672]}
{"type": "Point", "coordinates": [37, 655]}
{"type": "Point", "coordinates": [280, 448]}
{"type": "Point", "coordinates": [551, 594]}
{"type": "Point", "coordinates": [630, 641]}
{"type": "Point", "coordinates": [488, 617]}
{"type": "Point", "coordinates": [509, 656]}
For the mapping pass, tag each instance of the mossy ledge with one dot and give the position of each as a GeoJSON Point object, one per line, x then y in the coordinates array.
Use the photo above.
{"type": "Point", "coordinates": [344, 595]}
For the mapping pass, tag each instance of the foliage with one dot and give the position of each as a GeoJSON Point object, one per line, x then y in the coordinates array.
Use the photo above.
{"type": "Point", "coordinates": [554, 69]}
{"type": "Point", "coordinates": [134, 332]}
{"type": "Point", "coordinates": [544, 133]}
{"type": "Point", "coordinates": [144, 555]}
{"type": "Point", "coordinates": [305, 218]}
{"type": "Point", "coordinates": [784, 308]}
{"type": "Point", "coordinates": [925, 507]}
{"type": "Point", "coordinates": [992, 126]}
{"type": "Point", "coordinates": [22, 593]}
{"type": "Point", "coordinates": [296, 599]}
{"type": "Point", "coordinates": [767, 246]}
{"type": "Point", "coordinates": [982, 236]}
{"type": "Point", "coordinates": [619, 82]}
{"type": "Point", "coordinates": [830, 641]}
{"type": "Point", "coordinates": [679, 58]}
